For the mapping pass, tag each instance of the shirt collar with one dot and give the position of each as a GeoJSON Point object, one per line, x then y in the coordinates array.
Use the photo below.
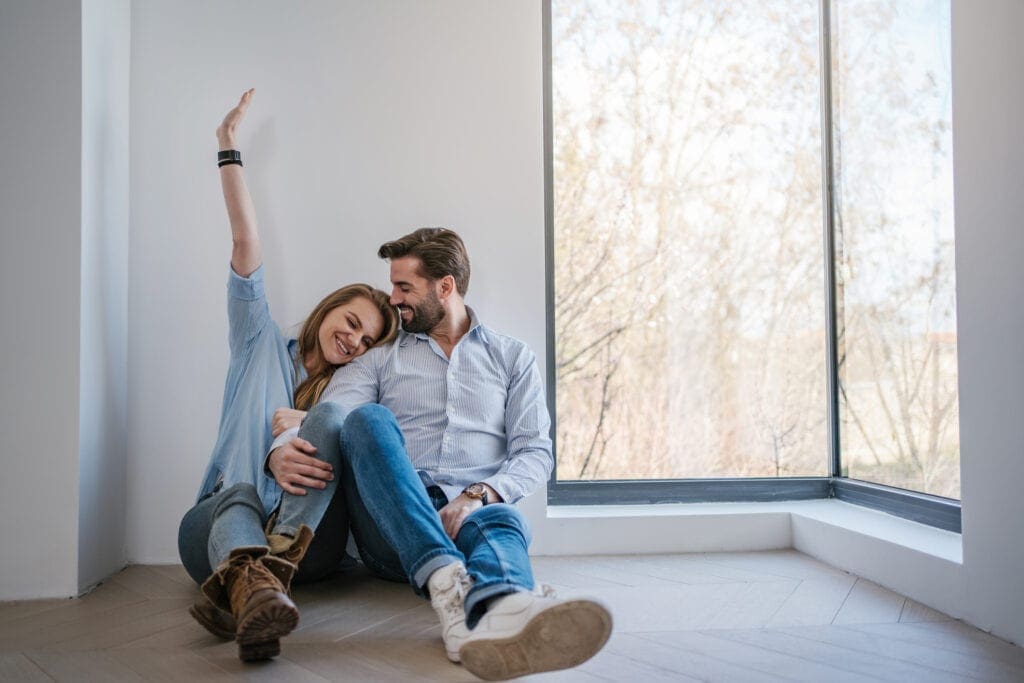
{"type": "Point", "coordinates": [475, 326]}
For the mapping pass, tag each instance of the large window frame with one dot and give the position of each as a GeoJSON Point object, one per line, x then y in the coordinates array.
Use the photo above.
{"type": "Point", "coordinates": [936, 511]}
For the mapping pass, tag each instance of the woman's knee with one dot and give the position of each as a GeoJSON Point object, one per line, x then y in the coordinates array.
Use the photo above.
{"type": "Point", "coordinates": [328, 414]}
{"type": "Point", "coordinates": [322, 428]}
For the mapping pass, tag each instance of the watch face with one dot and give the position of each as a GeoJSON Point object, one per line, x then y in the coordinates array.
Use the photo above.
{"type": "Point", "coordinates": [475, 491]}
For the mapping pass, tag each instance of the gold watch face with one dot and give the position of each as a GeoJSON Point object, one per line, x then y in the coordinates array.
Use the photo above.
{"type": "Point", "coordinates": [475, 490]}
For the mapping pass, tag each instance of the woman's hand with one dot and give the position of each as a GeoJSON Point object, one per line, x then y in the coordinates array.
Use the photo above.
{"type": "Point", "coordinates": [226, 130]}
{"type": "Point", "coordinates": [294, 466]}
{"type": "Point", "coordinates": [284, 419]}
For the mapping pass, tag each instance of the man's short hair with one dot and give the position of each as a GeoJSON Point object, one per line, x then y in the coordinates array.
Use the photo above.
{"type": "Point", "coordinates": [440, 251]}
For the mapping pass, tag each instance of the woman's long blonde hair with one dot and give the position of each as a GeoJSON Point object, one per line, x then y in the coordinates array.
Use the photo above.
{"type": "Point", "coordinates": [308, 392]}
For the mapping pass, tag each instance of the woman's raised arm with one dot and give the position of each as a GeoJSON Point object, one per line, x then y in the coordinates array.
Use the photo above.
{"type": "Point", "coordinates": [246, 250]}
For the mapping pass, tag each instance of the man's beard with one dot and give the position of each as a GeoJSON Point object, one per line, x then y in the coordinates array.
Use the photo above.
{"type": "Point", "coordinates": [426, 316]}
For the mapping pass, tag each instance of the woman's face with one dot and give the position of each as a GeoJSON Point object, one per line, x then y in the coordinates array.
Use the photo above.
{"type": "Point", "coordinates": [348, 330]}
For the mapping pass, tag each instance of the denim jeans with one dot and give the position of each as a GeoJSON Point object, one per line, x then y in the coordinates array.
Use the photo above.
{"type": "Point", "coordinates": [233, 518]}
{"type": "Point", "coordinates": [392, 516]}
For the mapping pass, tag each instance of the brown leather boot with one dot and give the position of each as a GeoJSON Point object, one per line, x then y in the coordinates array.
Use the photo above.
{"type": "Point", "coordinates": [254, 587]}
{"type": "Point", "coordinates": [220, 622]}
{"type": "Point", "coordinates": [289, 548]}
{"type": "Point", "coordinates": [212, 618]}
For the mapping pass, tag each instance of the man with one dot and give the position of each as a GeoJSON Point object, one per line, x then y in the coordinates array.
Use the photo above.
{"type": "Point", "coordinates": [448, 427]}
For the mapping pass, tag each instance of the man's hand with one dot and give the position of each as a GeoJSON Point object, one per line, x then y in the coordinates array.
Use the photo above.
{"type": "Point", "coordinates": [455, 512]}
{"type": "Point", "coordinates": [284, 419]}
{"type": "Point", "coordinates": [294, 466]}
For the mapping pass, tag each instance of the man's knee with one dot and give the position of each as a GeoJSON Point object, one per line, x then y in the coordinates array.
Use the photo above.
{"type": "Point", "coordinates": [502, 515]}
{"type": "Point", "coordinates": [369, 418]}
{"type": "Point", "coordinates": [368, 425]}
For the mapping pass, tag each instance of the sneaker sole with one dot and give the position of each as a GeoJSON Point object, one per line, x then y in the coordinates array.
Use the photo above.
{"type": "Point", "coordinates": [561, 637]}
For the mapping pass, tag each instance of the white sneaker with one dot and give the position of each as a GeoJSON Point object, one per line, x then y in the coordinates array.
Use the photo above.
{"type": "Point", "coordinates": [525, 633]}
{"type": "Point", "coordinates": [448, 587]}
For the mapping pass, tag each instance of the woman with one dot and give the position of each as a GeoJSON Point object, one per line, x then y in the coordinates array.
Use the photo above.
{"type": "Point", "coordinates": [244, 572]}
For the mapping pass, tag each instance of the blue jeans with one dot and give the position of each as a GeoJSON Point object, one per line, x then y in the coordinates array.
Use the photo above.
{"type": "Point", "coordinates": [394, 518]}
{"type": "Point", "coordinates": [233, 518]}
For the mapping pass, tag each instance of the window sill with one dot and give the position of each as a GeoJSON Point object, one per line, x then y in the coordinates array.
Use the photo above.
{"type": "Point", "coordinates": [914, 559]}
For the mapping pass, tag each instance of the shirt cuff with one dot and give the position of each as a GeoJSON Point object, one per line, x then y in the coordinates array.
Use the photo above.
{"type": "Point", "coordinates": [283, 438]}
{"type": "Point", "coordinates": [506, 487]}
{"type": "Point", "coordinates": [246, 288]}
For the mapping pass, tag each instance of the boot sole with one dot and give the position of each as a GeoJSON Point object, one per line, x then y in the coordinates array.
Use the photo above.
{"type": "Point", "coordinates": [263, 625]}
{"type": "Point", "coordinates": [560, 637]}
{"type": "Point", "coordinates": [258, 652]}
{"type": "Point", "coordinates": [210, 619]}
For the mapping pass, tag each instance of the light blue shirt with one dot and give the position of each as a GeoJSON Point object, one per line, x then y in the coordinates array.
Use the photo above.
{"type": "Point", "coordinates": [477, 416]}
{"type": "Point", "coordinates": [261, 378]}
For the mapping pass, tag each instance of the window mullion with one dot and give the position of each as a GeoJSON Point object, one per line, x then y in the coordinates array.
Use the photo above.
{"type": "Point", "coordinates": [828, 210]}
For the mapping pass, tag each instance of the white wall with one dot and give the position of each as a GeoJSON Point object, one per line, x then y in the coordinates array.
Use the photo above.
{"type": "Point", "coordinates": [63, 291]}
{"type": "Point", "coordinates": [40, 119]}
{"type": "Point", "coordinates": [988, 142]}
{"type": "Point", "coordinates": [370, 119]}
{"type": "Point", "coordinates": [103, 424]}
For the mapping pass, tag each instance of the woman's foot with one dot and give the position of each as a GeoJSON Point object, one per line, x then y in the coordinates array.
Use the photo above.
{"type": "Point", "coordinates": [254, 585]}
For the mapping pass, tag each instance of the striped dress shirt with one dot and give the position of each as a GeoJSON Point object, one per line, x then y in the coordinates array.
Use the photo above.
{"type": "Point", "coordinates": [477, 416]}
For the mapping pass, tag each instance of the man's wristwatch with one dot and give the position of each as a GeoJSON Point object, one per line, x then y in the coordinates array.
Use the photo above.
{"type": "Point", "coordinates": [477, 491]}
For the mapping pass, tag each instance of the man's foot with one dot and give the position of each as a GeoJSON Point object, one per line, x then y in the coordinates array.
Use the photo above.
{"type": "Point", "coordinates": [448, 587]}
{"type": "Point", "coordinates": [525, 633]}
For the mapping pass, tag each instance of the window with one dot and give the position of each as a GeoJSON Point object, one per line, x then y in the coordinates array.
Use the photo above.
{"type": "Point", "coordinates": [894, 244]}
{"type": "Point", "coordinates": [692, 297]}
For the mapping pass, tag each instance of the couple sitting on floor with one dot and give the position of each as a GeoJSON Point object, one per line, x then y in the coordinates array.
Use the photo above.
{"type": "Point", "coordinates": [416, 440]}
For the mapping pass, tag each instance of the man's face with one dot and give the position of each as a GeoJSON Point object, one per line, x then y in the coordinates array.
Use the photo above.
{"type": "Point", "coordinates": [415, 296]}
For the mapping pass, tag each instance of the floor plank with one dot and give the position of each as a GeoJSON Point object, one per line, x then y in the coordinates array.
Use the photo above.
{"type": "Point", "coordinates": [18, 667]}
{"type": "Point", "coordinates": [869, 603]}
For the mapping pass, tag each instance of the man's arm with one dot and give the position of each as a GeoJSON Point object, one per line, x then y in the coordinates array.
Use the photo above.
{"type": "Point", "coordinates": [529, 460]}
{"type": "Point", "coordinates": [527, 429]}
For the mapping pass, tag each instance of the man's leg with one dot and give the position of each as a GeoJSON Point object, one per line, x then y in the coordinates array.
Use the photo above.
{"type": "Point", "coordinates": [389, 498]}
{"type": "Point", "coordinates": [395, 522]}
{"type": "Point", "coordinates": [516, 631]}
{"type": "Point", "coordinates": [495, 540]}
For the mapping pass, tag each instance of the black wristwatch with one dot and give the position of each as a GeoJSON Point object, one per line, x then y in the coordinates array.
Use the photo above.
{"type": "Point", "coordinates": [477, 491]}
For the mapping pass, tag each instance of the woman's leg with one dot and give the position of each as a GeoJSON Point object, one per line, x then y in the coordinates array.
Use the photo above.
{"type": "Point", "coordinates": [244, 589]}
{"type": "Point", "coordinates": [227, 519]}
{"type": "Point", "coordinates": [321, 428]}
{"type": "Point", "coordinates": [323, 510]}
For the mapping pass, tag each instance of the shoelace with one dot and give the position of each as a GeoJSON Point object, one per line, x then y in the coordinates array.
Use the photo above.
{"type": "Point", "coordinates": [545, 591]}
{"type": "Point", "coordinates": [457, 598]}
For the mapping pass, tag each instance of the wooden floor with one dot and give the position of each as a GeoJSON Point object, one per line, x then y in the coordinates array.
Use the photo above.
{"type": "Point", "coordinates": [712, 617]}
